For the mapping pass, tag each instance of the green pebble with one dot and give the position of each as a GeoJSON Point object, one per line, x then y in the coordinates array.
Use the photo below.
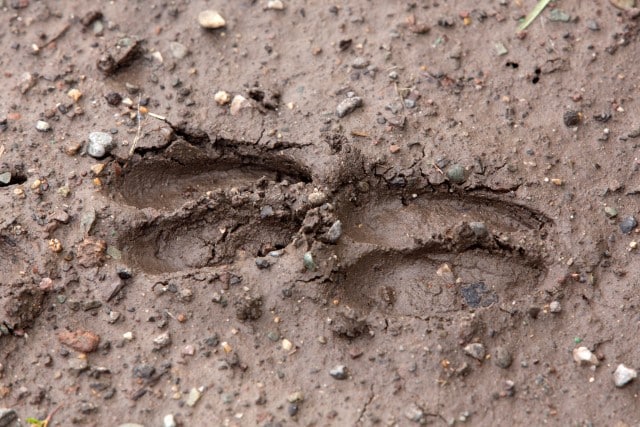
{"type": "Point", "coordinates": [308, 262]}
{"type": "Point", "coordinates": [577, 340]}
{"type": "Point", "coordinates": [611, 212]}
{"type": "Point", "coordinates": [455, 174]}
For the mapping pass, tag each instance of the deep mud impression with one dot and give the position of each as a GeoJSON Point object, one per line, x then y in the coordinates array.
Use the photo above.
{"type": "Point", "coordinates": [283, 213]}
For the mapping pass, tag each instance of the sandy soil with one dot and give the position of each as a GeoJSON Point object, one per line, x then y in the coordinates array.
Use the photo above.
{"type": "Point", "coordinates": [354, 213]}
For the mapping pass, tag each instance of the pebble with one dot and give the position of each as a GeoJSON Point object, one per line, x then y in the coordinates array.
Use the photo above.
{"type": "Point", "coordinates": [162, 340]}
{"type": "Point", "coordinates": [131, 425]}
{"type": "Point", "coordinates": [74, 94]}
{"type": "Point", "coordinates": [414, 413]}
{"type": "Point", "coordinates": [623, 4]}
{"type": "Point", "coordinates": [81, 341]}
{"type": "Point", "coordinates": [610, 211]}
{"type": "Point", "coordinates": [262, 263]}
{"type": "Point", "coordinates": [100, 143]}
{"type": "Point", "coordinates": [169, 421]}
{"type": "Point", "coordinates": [275, 5]}
{"type": "Point", "coordinates": [339, 372]}
{"type": "Point", "coordinates": [455, 173]}
{"type": "Point", "coordinates": [348, 105]}
{"type": "Point", "coordinates": [624, 375]}
{"type": "Point", "coordinates": [360, 62]}
{"type": "Point", "coordinates": [317, 198]}
{"type": "Point", "coordinates": [475, 350]}
{"type": "Point", "coordinates": [193, 397]}
{"type": "Point", "coordinates": [571, 118]}
{"type": "Point", "coordinates": [8, 416]}
{"type": "Point", "coordinates": [501, 357]}
{"type": "Point", "coordinates": [178, 50]}
{"type": "Point", "coordinates": [238, 103]}
{"type": "Point", "coordinates": [292, 409]}
{"type": "Point", "coordinates": [307, 261]}
{"type": "Point", "coordinates": [5, 178]}
{"type": "Point", "coordinates": [211, 19]}
{"type": "Point", "coordinates": [479, 229]}
{"type": "Point", "coordinates": [555, 307]}
{"type": "Point", "coordinates": [335, 231]}
{"type": "Point", "coordinates": [222, 98]}
{"type": "Point", "coordinates": [42, 126]}
{"type": "Point", "coordinates": [584, 356]}
{"type": "Point", "coordinates": [286, 345]}
{"type": "Point", "coordinates": [628, 224]}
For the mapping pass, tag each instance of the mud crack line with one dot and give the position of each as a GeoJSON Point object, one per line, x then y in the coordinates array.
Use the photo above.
{"type": "Point", "coordinates": [372, 396]}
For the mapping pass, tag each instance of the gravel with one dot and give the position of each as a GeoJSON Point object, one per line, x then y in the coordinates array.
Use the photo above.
{"type": "Point", "coordinates": [339, 372]}
{"type": "Point", "coordinates": [348, 105]}
{"type": "Point", "coordinates": [623, 375]}
{"type": "Point", "coordinates": [475, 350]}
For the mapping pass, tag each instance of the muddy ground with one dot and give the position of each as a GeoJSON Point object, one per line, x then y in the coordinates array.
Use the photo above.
{"type": "Point", "coordinates": [336, 213]}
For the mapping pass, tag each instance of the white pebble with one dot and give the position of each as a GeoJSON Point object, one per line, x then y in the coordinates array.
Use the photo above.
{"type": "Point", "coordinates": [211, 19]}
{"type": "Point", "coordinates": [555, 307]}
{"type": "Point", "coordinates": [221, 97]}
{"type": "Point", "coordinates": [43, 126]}
{"type": "Point", "coordinates": [584, 356]}
{"type": "Point", "coordinates": [275, 5]}
{"type": "Point", "coordinates": [624, 375]}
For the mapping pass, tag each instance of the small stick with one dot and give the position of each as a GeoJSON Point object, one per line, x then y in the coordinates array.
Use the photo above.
{"type": "Point", "coordinates": [137, 138]}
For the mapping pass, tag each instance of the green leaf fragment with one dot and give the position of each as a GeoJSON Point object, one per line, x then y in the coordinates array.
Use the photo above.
{"type": "Point", "coordinates": [533, 14]}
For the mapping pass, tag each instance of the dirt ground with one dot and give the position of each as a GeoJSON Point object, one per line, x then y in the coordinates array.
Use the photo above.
{"type": "Point", "coordinates": [349, 213]}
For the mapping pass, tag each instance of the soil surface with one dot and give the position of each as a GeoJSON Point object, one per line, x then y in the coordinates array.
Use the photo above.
{"type": "Point", "coordinates": [349, 213]}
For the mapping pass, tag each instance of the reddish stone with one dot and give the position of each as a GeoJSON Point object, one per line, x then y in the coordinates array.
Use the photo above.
{"type": "Point", "coordinates": [81, 341]}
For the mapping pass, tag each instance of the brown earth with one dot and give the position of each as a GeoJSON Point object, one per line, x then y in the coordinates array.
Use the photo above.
{"type": "Point", "coordinates": [289, 264]}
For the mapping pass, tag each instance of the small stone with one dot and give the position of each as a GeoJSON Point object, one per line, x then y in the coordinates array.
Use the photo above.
{"type": "Point", "coordinates": [286, 345]}
{"type": "Point", "coordinates": [610, 211]}
{"type": "Point", "coordinates": [275, 5]}
{"type": "Point", "coordinates": [557, 15]}
{"type": "Point", "coordinates": [178, 50]}
{"type": "Point", "coordinates": [193, 397]}
{"type": "Point", "coordinates": [414, 413]}
{"type": "Point", "coordinates": [169, 421]}
{"type": "Point", "coordinates": [628, 224]}
{"type": "Point", "coordinates": [128, 336]}
{"type": "Point", "coordinates": [571, 118]}
{"type": "Point", "coordinates": [294, 397]}
{"type": "Point", "coordinates": [74, 94]}
{"type": "Point", "coordinates": [501, 357]}
{"type": "Point", "coordinates": [348, 105]}
{"type": "Point", "coordinates": [339, 372]}
{"type": "Point", "coordinates": [8, 417]}
{"type": "Point", "coordinates": [584, 356]}
{"type": "Point", "coordinates": [500, 49]}
{"type": "Point", "coordinates": [211, 19]}
{"type": "Point", "coordinates": [78, 365]}
{"type": "Point", "coordinates": [162, 340]}
{"type": "Point", "coordinates": [360, 62]}
{"type": "Point", "coordinates": [593, 25]}
{"type": "Point", "coordinates": [42, 126]}
{"type": "Point", "coordinates": [5, 178]}
{"type": "Point", "coordinates": [222, 98]}
{"type": "Point", "coordinates": [113, 98]}
{"type": "Point", "coordinates": [292, 409]}
{"type": "Point", "coordinates": [555, 307]}
{"type": "Point", "coordinates": [308, 262]}
{"type": "Point", "coordinates": [456, 173]}
{"type": "Point", "coordinates": [113, 317]}
{"type": "Point", "coordinates": [81, 341]}
{"type": "Point", "coordinates": [623, 4]}
{"type": "Point", "coordinates": [445, 272]}
{"type": "Point", "coordinates": [317, 198]}
{"type": "Point", "coordinates": [262, 263]}
{"type": "Point", "coordinates": [100, 143]}
{"type": "Point", "coordinates": [335, 231]}
{"type": "Point", "coordinates": [238, 103]}
{"type": "Point", "coordinates": [475, 350]}
{"type": "Point", "coordinates": [624, 375]}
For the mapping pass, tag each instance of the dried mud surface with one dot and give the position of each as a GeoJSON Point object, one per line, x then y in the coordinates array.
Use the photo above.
{"type": "Point", "coordinates": [284, 264]}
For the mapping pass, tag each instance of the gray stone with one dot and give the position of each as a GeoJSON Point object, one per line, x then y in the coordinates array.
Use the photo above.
{"type": "Point", "coordinates": [360, 62]}
{"type": "Point", "coordinates": [5, 178]}
{"type": "Point", "coordinates": [178, 50]}
{"type": "Point", "coordinates": [502, 357]}
{"type": "Point", "coordinates": [479, 229]}
{"type": "Point", "coordinates": [162, 340]}
{"type": "Point", "coordinates": [475, 350]}
{"type": "Point", "coordinates": [348, 105]}
{"type": "Point", "coordinates": [555, 307]}
{"type": "Point", "coordinates": [7, 417]}
{"type": "Point", "coordinates": [339, 372]}
{"type": "Point", "coordinates": [628, 224]}
{"type": "Point", "coordinates": [100, 144]}
{"type": "Point", "coordinates": [335, 232]}
{"type": "Point", "coordinates": [414, 413]}
{"type": "Point", "coordinates": [624, 375]}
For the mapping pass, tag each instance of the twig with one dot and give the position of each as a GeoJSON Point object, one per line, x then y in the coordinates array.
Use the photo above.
{"type": "Point", "coordinates": [137, 138]}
